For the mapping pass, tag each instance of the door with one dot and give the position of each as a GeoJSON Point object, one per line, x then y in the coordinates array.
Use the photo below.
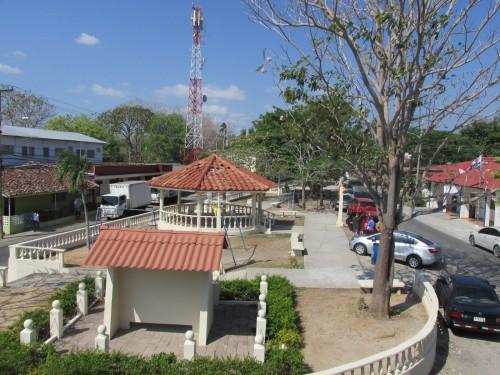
{"type": "Point", "coordinates": [400, 247]}
{"type": "Point", "coordinates": [484, 237]}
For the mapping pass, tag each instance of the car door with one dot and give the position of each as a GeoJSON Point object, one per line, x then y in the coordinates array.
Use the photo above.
{"type": "Point", "coordinates": [400, 247]}
{"type": "Point", "coordinates": [482, 237]}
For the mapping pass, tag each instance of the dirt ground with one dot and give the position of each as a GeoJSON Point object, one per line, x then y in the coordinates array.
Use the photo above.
{"type": "Point", "coordinates": [75, 257]}
{"type": "Point", "coordinates": [15, 301]}
{"type": "Point", "coordinates": [265, 250]}
{"type": "Point", "coordinates": [337, 331]}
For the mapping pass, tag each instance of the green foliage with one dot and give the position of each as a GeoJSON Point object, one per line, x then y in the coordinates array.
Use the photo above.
{"type": "Point", "coordinates": [239, 290]}
{"type": "Point", "coordinates": [93, 128]}
{"type": "Point", "coordinates": [164, 139]}
{"type": "Point", "coordinates": [40, 319]}
{"type": "Point", "coordinates": [67, 296]}
{"type": "Point", "coordinates": [73, 168]}
{"type": "Point", "coordinates": [19, 359]}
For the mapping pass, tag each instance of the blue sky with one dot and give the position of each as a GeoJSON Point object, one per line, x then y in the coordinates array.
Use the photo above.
{"type": "Point", "coordinates": [89, 56]}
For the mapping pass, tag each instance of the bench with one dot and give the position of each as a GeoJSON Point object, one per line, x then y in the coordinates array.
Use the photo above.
{"type": "Point", "coordinates": [368, 284]}
{"type": "Point", "coordinates": [289, 213]}
{"type": "Point", "coordinates": [297, 245]}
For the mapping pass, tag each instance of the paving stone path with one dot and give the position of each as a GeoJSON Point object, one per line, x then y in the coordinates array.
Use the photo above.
{"type": "Point", "coordinates": [232, 334]}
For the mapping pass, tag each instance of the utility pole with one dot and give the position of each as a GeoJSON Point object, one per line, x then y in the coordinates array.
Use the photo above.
{"type": "Point", "coordinates": [1, 166]}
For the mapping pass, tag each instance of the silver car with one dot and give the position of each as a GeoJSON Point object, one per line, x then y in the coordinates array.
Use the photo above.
{"type": "Point", "coordinates": [411, 248]}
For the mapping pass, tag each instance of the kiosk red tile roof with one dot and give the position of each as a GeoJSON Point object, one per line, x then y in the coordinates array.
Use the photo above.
{"type": "Point", "coordinates": [214, 173]}
{"type": "Point", "coordinates": [156, 250]}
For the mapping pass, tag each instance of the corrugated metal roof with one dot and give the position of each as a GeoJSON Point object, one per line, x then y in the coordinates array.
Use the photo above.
{"type": "Point", "coordinates": [17, 131]}
{"type": "Point", "coordinates": [156, 250]}
{"type": "Point", "coordinates": [213, 173]}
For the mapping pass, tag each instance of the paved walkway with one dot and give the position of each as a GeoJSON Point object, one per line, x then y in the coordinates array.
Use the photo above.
{"type": "Point", "coordinates": [232, 334]}
{"type": "Point", "coordinates": [329, 263]}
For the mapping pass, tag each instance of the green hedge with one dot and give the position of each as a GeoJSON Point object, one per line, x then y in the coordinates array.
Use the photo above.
{"type": "Point", "coordinates": [67, 295]}
{"type": "Point", "coordinates": [278, 362]}
{"type": "Point", "coordinates": [239, 290]}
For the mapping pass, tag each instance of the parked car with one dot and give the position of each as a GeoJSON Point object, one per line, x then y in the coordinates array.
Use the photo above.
{"type": "Point", "coordinates": [469, 303]}
{"type": "Point", "coordinates": [411, 248]}
{"type": "Point", "coordinates": [488, 237]}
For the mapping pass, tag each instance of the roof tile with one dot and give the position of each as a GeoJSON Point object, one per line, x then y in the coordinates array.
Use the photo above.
{"type": "Point", "coordinates": [156, 250]}
{"type": "Point", "coordinates": [213, 173]}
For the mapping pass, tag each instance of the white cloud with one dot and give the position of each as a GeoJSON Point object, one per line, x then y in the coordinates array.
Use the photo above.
{"type": "Point", "coordinates": [179, 91]}
{"type": "Point", "coordinates": [10, 69]}
{"type": "Point", "coordinates": [87, 39]}
{"type": "Point", "coordinates": [16, 53]}
{"type": "Point", "coordinates": [215, 109]}
{"type": "Point", "coordinates": [214, 93]}
{"type": "Point", "coordinates": [106, 91]}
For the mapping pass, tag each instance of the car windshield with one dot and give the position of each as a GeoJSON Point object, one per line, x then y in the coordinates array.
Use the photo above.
{"type": "Point", "coordinates": [468, 294]}
{"type": "Point", "coordinates": [110, 200]}
{"type": "Point", "coordinates": [367, 204]}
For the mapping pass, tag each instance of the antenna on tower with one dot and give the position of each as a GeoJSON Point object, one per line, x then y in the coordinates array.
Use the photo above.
{"type": "Point", "coordinates": [194, 139]}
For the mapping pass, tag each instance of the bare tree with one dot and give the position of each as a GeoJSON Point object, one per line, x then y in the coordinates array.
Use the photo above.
{"type": "Point", "coordinates": [394, 59]}
{"type": "Point", "coordinates": [26, 109]}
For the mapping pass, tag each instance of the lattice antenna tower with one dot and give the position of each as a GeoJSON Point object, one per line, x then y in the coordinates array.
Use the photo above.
{"type": "Point", "coordinates": [194, 138]}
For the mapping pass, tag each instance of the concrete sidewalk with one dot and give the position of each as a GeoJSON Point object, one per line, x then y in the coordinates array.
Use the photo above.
{"type": "Point", "coordinates": [450, 225]}
{"type": "Point", "coordinates": [329, 263]}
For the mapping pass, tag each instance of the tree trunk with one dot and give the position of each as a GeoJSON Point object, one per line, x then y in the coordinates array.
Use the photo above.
{"type": "Point", "coordinates": [86, 216]}
{"type": "Point", "coordinates": [381, 298]}
{"type": "Point", "coordinates": [303, 195]}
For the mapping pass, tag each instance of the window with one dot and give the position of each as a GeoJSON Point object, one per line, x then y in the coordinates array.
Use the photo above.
{"type": "Point", "coordinates": [495, 232]}
{"type": "Point", "coordinates": [90, 153]}
{"type": "Point", "coordinates": [123, 199]}
{"type": "Point", "coordinates": [28, 151]}
{"type": "Point", "coordinates": [70, 148]}
{"type": "Point", "coordinates": [98, 150]}
{"type": "Point", "coordinates": [7, 149]}
{"type": "Point", "coordinates": [487, 231]}
{"type": "Point", "coordinates": [59, 151]}
{"type": "Point", "coordinates": [46, 152]}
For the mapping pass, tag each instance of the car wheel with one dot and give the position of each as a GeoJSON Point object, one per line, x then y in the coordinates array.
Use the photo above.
{"type": "Point", "coordinates": [496, 251]}
{"type": "Point", "coordinates": [472, 241]}
{"type": "Point", "coordinates": [360, 249]}
{"type": "Point", "coordinates": [414, 261]}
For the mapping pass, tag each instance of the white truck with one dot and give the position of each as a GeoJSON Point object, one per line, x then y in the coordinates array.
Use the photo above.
{"type": "Point", "coordinates": [124, 196]}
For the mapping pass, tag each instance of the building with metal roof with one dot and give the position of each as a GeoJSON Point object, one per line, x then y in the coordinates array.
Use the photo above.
{"type": "Point", "coordinates": [21, 145]}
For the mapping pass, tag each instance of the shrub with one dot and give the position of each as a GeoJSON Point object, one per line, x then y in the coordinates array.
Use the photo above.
{"type": "Point", "coordinates": [41, 323]}
{"type": "Point", "coordinates": [67, 296]}
{"type": "Point", "coordinates": [281, 314]}
{"type": "Point", "coordinates": [239, 290]}
{"type": "Point", "coordinates": [16, 358]}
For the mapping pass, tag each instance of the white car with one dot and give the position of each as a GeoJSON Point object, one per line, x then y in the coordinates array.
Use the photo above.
{"type": "Point", "coordinates": [488, 237]}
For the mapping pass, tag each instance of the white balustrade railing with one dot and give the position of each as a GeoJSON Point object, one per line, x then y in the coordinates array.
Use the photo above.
{"type": "Point", "coordinates": [46, 254]}
{"type": "Point", "coordinates": [413, 356]}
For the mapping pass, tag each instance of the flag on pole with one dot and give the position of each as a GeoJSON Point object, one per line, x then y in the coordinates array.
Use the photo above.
{"type": "Point", "coordinates": [476, 163]}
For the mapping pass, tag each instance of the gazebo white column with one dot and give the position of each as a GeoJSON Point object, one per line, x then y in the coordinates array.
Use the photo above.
{"type": "Point", "coordinates": [219, 216]}
{"type": "Point", "coordinates": [259, 212]}
{"type": "Point", "coordinates": [199, 209]}
{"type": "Point", "coordinates": [178, 201]}
{"type": "Point", "coordinates": [254, 209]}
{"type": "Point", "coordinates": [161, 199]}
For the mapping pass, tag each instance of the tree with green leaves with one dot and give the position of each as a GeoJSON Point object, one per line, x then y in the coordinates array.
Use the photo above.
{"type": "Point", "coordinates": [93, 128]}
{"type": "Point", "coordinates": [164, 138]}
{"type": "Point", "coordinates": [405, 64]}
{"type": "Point", "coordinates": [130, 122]}
{"type": "Point", "coordinates": [72, 169]}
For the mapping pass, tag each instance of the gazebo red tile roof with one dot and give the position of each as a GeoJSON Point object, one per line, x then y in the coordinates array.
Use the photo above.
{"type": "Point", "coordinates": [156, 250]}
{"type": "Point", "coordinates": [213, 173]}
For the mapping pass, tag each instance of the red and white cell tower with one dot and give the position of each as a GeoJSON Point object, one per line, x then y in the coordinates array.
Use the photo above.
{"type": "Point", "coordinates": [194, 138]}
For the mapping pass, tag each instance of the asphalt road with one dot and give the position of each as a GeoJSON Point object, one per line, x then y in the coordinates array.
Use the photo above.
{"type": "Point", "coordinates": [462, 352]}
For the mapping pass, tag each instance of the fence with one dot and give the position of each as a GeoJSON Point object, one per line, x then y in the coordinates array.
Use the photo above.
{"type": "Point", "coordinates": [413, 356]}
{"type": "Point", "coordinates": [46, 254]}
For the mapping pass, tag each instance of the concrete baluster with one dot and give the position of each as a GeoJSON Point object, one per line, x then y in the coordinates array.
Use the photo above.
{"type": "Point", "coordinates": [189, 346]}
{"type": "Point", "coordinates": [259, 350]}
{"type": "Point", "coordinates": [262, 303]}
{"type": "Point", "coordinates": [263, 284]}
{"type": "Point", "coordinates": [28, 334]}
{"type": "Point", "coordinates": [261, 324]}
{"type": "Point", "coordinates": [99, 286]}
{"type": "Point", "coordinates": [101, 342]}
{"type": "Point", "coordinates": [82, 299]}
{"type": "Point", "coordinates": [56, 320]}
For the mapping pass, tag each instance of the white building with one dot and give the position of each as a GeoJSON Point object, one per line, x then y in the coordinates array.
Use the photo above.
{"type": "Point", "coordinates": [20, 145]}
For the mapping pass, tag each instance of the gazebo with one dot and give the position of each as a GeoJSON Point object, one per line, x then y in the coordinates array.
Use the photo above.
{"type": "Point", "coordinates": [213, 180]}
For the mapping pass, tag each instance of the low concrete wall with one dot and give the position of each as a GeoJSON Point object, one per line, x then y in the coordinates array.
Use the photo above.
{"type": "Point", "coordinates": [414, 356]}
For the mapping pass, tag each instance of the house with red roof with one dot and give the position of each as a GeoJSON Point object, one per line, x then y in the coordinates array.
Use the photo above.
{"type": "Point", "coordinates": [471, 189]}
